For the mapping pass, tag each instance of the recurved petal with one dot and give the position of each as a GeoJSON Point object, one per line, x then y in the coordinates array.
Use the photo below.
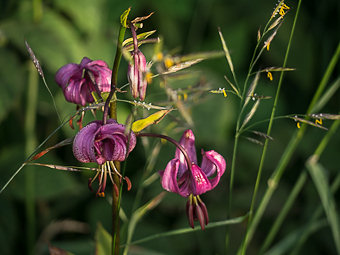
{"type": "Point", "coordinates": [142, 68]}
{"type": "Point", "coordinates": [66, 72]}
{"type": "Point", "coordinates": [132, 75]}
{"type": "Point", "coordinates": [169, 176]}
{"type": "Point", "coordinates": [119, 128]}
{"type": "Point", "coordinates": [212, 163]}
{"type": "Point", "coordinates": [102, 74]}
{"type": "Point", "coordinates": [188, 142]}
{"type": "Point", "coordinates": [77, 92]}
{"type": "Point", "coordinates": [200, 182]}
{"type": "Point", "coordinates": [83, 144]}
{"type": "Point", "coordinates": [84, 62]}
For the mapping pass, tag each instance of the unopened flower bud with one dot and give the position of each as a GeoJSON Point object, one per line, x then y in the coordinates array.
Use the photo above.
{"type": "Point", "coordinates": [137, 75]}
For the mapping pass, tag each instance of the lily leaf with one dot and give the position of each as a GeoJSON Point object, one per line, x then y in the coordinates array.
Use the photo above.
{"type": "Point", "coordinates": [124, 16]}
{"type": "Point", "coordinates": [140, 37]}
{"type": "Point", "coordinates": [154, 118]}
{"type": "Point", "coordinates": [103, 241]}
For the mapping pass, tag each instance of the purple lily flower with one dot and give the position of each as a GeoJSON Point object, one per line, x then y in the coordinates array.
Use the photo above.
{"type": "Point", "coordinates": [79, 80]}
{"type": "Point", "coordinates": [194, 180]}
{"type": "Point", "coordinates": [100, 143]}
{"type": "Point", "coordinates": [103, 144]}
{"type": "Point", "coordinates": [137, 75]}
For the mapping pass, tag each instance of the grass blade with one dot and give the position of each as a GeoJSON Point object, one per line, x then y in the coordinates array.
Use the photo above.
{"type": "Point", "coordinates": [190, 230]}
{"type": "Point", "coordinates": [317, 172]}
{"type": "Point", "coordinates": [227, 55]}
{"type": "Point", "coordinates": [328, 94]}
{"type": "Point", "coordinates": [287, 243]}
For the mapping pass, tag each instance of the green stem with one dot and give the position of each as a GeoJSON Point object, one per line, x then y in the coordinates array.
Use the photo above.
{"type": "Point", "coordinates": [112, 106]}
{"type": "Point", "coordinates": [264, 151]}
{"type": "Point", "coordinates": [30, 120]}
{"type": "Point", "coordinates": [116, 200]}
{"type": "Point", "coordinates": [284, 211]}
{"type": "Point", "coordinates": [253, 61]}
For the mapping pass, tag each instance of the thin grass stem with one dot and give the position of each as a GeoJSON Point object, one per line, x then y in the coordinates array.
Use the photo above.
{"type": "Point", "coordinates": [237, 130]}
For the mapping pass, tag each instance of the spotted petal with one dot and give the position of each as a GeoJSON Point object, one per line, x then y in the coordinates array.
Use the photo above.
{"type": "Point", "coordinates": [83, 148]}
{"type": "Point", "coordinates": [200, 182]}
{"type": "Point", "coordinates": [100, 143]}
{"type": "Point", "coordinates": [169, 176]}
{"type": "Point", "coordinates": [65, 73]}
{"type": "Point", "coordinates": [101, 73]}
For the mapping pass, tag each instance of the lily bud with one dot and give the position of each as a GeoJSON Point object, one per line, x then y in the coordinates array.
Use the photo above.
{"type": "Point", "coordinates": [137, 75]}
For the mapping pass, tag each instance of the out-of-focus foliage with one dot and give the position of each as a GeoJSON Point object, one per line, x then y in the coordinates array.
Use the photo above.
{"type": "Point", "coordinates": [66, 31]}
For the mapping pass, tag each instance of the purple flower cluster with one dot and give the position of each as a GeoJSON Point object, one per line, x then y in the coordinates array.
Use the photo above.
{"type": "Point", "coordinates": [106, 141]}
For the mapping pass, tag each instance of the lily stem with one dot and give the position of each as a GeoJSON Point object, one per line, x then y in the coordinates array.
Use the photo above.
{"type": "Point", "coordinates": [180, 147]}
{"type": "Point", "coordinates": [113, 114]}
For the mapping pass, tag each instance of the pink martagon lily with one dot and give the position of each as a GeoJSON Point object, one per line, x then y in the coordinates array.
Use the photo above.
{"type": "Point", "coordinates": [178, 179]}
{"type": "Point", "coordinates": [194, 181]}
{"type": "Point", "coordinates": [79, 80]}
{"type": "Point", "coordinates": [100, 143]}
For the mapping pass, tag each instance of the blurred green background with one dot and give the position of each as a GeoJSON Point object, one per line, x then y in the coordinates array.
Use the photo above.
{"type": "Point", "coordinates": [61, 31]}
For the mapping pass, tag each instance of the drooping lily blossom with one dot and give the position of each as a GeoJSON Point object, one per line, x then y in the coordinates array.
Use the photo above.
{"type": "Point", "coordinates": [100, 143]}
{"type": "Point", "coordinates": [194, 180]}
{"type": "Point", "coordinates": [104, 144]}
{"type": "Point", "coordinates": [137, 75]}
{"type": "Point", "coordinates": [79, 80]}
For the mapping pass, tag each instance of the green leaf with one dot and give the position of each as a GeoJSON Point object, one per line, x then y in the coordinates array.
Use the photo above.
{"type": "Point", "coordinates": [317, 172]}
{"type": "Point", "coordinates": [141, 36]}
{"type": "Point", "coordinates": [103, 241]}
{"type": "Point", "coordinates": [154, 118]}
{"type": "Point", "coordinates": [286, 244]}
{"type": "Point", "coordinates": [191, 230]}
{"type": "Point", "coordinates": [124, 16]}
{"type": "Point", "coordinates": [327, 96]}
{"type": "Point", "coordinates": [226, 52]}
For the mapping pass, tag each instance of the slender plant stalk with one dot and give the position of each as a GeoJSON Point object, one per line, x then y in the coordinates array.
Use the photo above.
{"type": "Point", "coordinates": [112, 105]}
{"type": "Point", "coordinates": [264, 151]}
{"type": "Point", "coordinates": [284, 211]}
{"type": "Point", "coordinates": [32, 95]}
{"type": "Point", "coordinates": [253, 61]}
{"type": "Point", "coordinates": [295, 140]}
